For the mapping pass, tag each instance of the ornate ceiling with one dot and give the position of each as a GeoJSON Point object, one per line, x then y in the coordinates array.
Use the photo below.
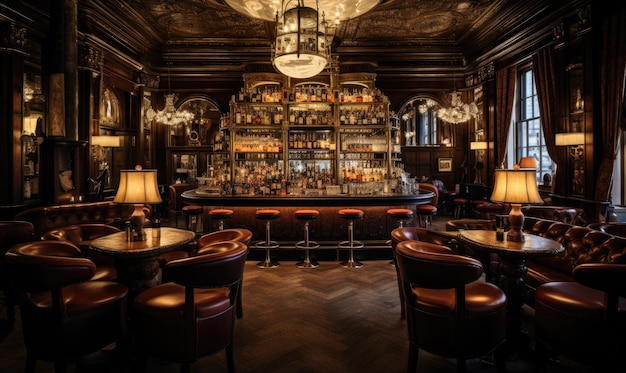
{"type": "Point", "coordinates": [397, 36]}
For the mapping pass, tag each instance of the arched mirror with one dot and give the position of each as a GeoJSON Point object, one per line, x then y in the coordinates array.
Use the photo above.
{"type": "Point", "coordinates": [420, 125]}
{"type": "Point", "coordinates": [199, 130]}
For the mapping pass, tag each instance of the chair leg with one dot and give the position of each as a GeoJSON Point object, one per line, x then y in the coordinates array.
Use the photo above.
{"type": "Point", "coordinates": [230, 359]}
{"type": "Point", "coordinates": [413, 355]}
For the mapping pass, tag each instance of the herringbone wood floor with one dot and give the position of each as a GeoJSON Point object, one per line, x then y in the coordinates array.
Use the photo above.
{"type": "Point", "coordinates": [328, 319]}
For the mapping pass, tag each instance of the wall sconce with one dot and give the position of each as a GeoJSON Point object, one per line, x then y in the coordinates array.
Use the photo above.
{"type": "Point", "coordinates": [480, 147]}
{"type": "Point", "coordinates": [574, 140]}
{"type": "Point", "coordinates": [98, 143]}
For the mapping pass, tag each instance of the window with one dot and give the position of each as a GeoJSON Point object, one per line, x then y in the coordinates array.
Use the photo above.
{"type": "Point", "coordinates": [421, 126]}
{"type": "Point", "coordinates": [529, 141]}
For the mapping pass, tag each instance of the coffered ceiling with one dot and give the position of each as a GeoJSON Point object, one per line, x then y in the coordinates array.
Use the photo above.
{"type": "Point", "coordinates": [401, 37]}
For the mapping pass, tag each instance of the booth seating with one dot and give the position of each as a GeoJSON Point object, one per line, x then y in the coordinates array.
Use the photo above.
{"type": "Point", "coordinates": [12, 232]}
{"type": "Point", "coordinates": [46, 218]}
{"type": "Point", "coordinates": [64, 316]}
{"type": "Point", "coordinates": [582, 245]}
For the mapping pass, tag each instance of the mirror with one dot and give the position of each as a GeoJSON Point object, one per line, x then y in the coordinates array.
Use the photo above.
{"type": "Point", "coordinates": [420, 125]}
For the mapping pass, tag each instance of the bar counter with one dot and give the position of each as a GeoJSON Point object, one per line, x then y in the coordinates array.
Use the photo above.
{"type": "Point", "coordinates": [374, 230]}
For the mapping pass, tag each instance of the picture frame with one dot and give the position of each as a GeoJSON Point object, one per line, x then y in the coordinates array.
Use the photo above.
{"type": "Point", "coordinates": [444, 164]}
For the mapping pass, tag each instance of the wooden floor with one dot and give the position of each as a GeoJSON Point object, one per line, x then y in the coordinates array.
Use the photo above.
{"type": "Point", "coordinates": [327, 319]}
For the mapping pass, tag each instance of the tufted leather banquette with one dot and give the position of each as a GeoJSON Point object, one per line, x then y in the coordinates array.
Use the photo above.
{"type": "Point", "coordinates": [46, 218]}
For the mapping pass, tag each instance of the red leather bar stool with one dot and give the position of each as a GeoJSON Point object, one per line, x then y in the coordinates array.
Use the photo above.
{"type": "Point", "coordinates": [220, 215]}
{"type": "Point", "coordinates": [268, 215]}
{"type": "Point", "coordinates": [460, 207]}
{"type": "Point", "coordinates": [307, 216]}
{"type": "Point", "coordinates": [350, 215]}
{"type": "Point", "coordinates": [193, 215]}
{"type": "Point", "coordinates": [400, 216]}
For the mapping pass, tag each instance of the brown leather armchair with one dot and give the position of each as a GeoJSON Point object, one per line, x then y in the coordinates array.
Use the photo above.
{"type": "Point", "coordinates": [414, 234]}
{"type": "Point", "coordinates": [449, 311]}
{"type": "Point", "coordinates": [64, 316]}
{"type": "Point", "coordinates": [12, 232]}
{"type": "Point", "coordinates": [80, 235]}
{"type": "Point", "coordinates": [234, 234]}
{"type": "Point", "coordinates": [194, 315]}
{"type": "Point", "coordinates": [584, 320]}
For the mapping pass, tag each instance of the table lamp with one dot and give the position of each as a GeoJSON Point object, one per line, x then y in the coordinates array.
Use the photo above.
{"type": "Point", "coordinates": [138, 187]}
{"type": "Point", "coordinates": [516, 186]}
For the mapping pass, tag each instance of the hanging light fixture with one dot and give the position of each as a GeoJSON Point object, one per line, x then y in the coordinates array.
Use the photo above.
{"type": "Point", "coordinates": [169, 115]}
{"type": "Point", "coordinates": [458, 111]}
{"type": "Point", "coordinates": [303, 37]}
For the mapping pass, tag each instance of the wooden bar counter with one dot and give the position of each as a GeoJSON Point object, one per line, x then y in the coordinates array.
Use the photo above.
{"type": "Point", "coordinates": [374, 230]}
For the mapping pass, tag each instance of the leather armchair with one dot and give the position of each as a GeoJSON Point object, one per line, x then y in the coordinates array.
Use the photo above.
{"type": "Point", "coordinates": [12, 232]}
{"type": "Point", "coordinates": [64, 316]}
{"type": "Point", "coordinates": [80, 235]}
{"type": "Point", "coordinates": [449, 311]}
{"type": "Point", "coordinates": [413, 234]}
{"type": "Point", "coordinates": [591, 309]}
{"type": "Point", "coordinates": [193, 315]}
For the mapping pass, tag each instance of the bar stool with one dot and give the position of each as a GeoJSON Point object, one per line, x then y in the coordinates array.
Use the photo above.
{"type": "Point", "coordinates": [351, 215]}
{"type": "Point", "coordinates": [460, 207]}
{"type": "Point", "coordinates": [192, 214]}
{"type": "Point", "coordinates": [268, 215]}
{"type": "Point", "coordinates": [307, 216]}
{"type": "Point", "coordinates": [220, 215]}
{"type": "Point", "coordinates": [400, 216]}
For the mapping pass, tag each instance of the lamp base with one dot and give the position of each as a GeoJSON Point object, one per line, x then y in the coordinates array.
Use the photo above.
{"type": "Point", "coordinates": [516, 221]}
{"type": "Point", "coordinates": [515, 235]}
{"type": "Point", "coordinates": [137, 220]}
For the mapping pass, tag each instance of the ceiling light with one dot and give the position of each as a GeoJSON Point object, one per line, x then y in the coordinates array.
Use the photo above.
{"type": "Point", "coordinates": [303, 34]}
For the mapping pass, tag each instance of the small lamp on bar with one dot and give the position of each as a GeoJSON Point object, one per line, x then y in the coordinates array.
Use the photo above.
{"type": "Point", "coordinates": [138, 187]}
{"type": "Point", "coordinates": [516, 186]}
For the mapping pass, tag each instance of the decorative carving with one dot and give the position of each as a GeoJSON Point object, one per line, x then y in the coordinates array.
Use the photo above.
{"type": "Point", "coordinates": [584, 19]}
{"type": "Point", "coordinates": [90, 58]}
{"type": "Point", "coordinates": [147, 80]}
{"type": "Point", "coordinates": [13, 38]}
{"type": "Point", "coordinates": [559, 35]}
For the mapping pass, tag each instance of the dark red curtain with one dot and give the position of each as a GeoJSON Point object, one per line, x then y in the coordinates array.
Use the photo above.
{"type": "Point", "coordinates": [612, 73]}
{"type": "Point", "coordinates": [505, 99]}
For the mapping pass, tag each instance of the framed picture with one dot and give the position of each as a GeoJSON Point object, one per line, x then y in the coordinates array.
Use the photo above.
{"type": "Point", "coordinates": [445, 165]}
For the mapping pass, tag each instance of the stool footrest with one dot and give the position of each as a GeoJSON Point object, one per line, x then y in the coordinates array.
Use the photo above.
{"type": "Point", "coordinates": [267, 245]}
{"type": "Point", "coordinates": [312, 245]}
{"type": "Point", "coordinates": [345, 245]}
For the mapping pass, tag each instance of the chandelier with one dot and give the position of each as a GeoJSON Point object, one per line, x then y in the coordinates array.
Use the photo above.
{"type": "Point", "coordinates": [458, 112]}
{"type": "Point", "coordinates": [303, 37]}
{"type": "Point", "coordinates": [169, 115]}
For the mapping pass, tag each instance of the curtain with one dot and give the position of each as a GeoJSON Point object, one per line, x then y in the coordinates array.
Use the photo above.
{"type": "Point", "coordinates": [545, 82]}
{"type": "Point", "coordinates": [612, 73]}
{"type": "Point", "coordinates": [505, 98]}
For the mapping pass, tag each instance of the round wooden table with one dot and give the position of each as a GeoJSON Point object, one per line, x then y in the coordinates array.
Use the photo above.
{"type": "Point", "coordinates": [512, 269]}
{"type": "Point", "coordinates": [136, 262]}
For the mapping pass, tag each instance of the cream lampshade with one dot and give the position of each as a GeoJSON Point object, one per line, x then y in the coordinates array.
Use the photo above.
{"type": "Point", "coordinates": [138, 187]}
{"type": "Point", "coordinates": [516, 186]}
